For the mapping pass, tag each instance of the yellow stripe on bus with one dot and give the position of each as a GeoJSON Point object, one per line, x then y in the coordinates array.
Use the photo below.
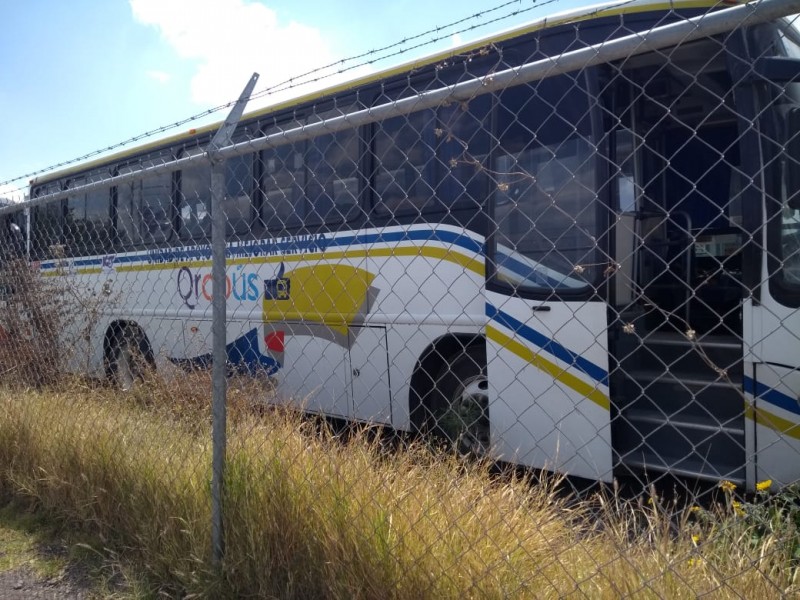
{"type": "Point", "coordinates": [773, 421]}
{"type": "Point", "coordinates": [558, 373]}
{"type": "Point", "coordinates": [65, 271]}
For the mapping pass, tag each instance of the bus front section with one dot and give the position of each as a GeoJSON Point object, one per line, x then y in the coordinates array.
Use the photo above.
{"type": "Point", "coordinates": [704, 329]}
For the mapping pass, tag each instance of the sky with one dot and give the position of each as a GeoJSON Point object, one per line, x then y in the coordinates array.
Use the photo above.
{"type": "Point", "coordinates": [84, 76]}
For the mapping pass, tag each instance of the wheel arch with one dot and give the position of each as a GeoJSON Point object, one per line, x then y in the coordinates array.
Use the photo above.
{"type": "Point", "coordinates": [430, 363]}
{"type": "Point", "coordinates": [114, 332]}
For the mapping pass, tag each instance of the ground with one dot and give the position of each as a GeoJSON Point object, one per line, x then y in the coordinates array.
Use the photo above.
{"type": "Point", "coordinates": [36, 562]}
{"type": "Point", "coordinates": [24, 583]}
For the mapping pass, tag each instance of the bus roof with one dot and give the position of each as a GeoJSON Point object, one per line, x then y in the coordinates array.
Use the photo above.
{"type": "Point", "coordinates": [590, 12]}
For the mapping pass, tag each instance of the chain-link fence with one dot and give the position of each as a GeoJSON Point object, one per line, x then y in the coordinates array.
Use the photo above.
{"type": "Point", "coordinates": [573, 247]}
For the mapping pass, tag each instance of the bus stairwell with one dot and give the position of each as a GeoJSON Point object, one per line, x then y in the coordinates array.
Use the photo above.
{"type": "Point", "coordinates": [676, 333]}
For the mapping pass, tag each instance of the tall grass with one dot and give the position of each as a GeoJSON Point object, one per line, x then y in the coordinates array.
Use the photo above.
{"type": "Point", "coordinates": [308, 515]}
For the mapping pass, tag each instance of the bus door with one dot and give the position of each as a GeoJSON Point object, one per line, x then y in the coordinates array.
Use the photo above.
{"type": "Point", "coordinates": [772, 315]}
{"type": "Point", "coordinates": [680, 239]}
{"type": "Point", "coordinates": [547, 352]}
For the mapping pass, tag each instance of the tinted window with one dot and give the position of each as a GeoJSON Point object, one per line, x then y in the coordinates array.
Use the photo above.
{"type": "Point", "coordinates": [194, 200]}
{"type": "Point", "coordinates": [404, 170]}
{"type": "Point", "coordinates": [237, 203]}
{"type": "Point", "coordinates": [87, 221]}
{"type": "Point", "coordinates": [284, 178]}
{"type": "Point", "coordinates": [544, 204]}
{"type": "Point", "coordinates": [463, 150]}
{"type": "Point", "coordinates": [46, 224]}
{"type": "Point", "coordinates": [332, 177]}
{"type": "Point", "coordinates": [12, 239]}
{"type": "Point", "coordinates": [144, 209]}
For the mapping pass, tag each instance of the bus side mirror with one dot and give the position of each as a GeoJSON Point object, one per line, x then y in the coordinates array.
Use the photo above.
{"type": "Point", "coordinates": [791, 159]}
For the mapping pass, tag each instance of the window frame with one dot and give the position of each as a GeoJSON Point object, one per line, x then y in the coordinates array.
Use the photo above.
{"type": "Point", "coordinates": [138, 164]}
{"type": "Point", "coordinates": [592, 288]}
{"type": "Point", "coordinates": [37, 251]}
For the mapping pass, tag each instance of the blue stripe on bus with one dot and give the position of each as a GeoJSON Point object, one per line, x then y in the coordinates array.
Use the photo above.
{"type": "Point", "coordinates": [527, 272]}
{"type": "Point", "coordinates": [312, 244]}
{"type": "Point", "coordinates": [771, 395]}
{"type": "Point", "coordinates": [415, 235]}
{"type": "Point", "coordinates": [547, 344]}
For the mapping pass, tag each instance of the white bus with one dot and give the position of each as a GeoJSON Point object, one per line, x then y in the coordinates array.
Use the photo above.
{"type": "Point", "coordinates": [596, 272]}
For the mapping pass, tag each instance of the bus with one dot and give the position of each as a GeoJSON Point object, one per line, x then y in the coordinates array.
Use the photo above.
{"type": "Point", "coordinates": [595, 271]}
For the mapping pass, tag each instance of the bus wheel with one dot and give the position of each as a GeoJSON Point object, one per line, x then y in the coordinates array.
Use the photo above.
{"type": "Point", "coordinates": [461, 407]}
{"type": "Point", "coordinates": [129, 358]}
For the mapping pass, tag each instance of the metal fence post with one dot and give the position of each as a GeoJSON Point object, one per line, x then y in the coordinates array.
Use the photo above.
{"type": "Point", "coordinates": [222, 138]}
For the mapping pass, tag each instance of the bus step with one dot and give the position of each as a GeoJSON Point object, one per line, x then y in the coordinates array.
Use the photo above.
{"type": "Point", "coordinates": [712, 401]}
{"type": "Point", "coordinates": [683, 421]}
{"type": "Point", "coordinates": [647, 461]}
{"type": "Point", "coordinates": [661, 352]}
{"type": "Point", "coordinates": [682, 443]}
{"type": "Point", "coordinates": [688, 380]}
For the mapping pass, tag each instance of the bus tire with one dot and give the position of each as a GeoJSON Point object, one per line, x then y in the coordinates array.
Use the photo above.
{"type": "Point", "coordinates": [460, 404]}
{"type": "Point", "coordinates": [130, 358]}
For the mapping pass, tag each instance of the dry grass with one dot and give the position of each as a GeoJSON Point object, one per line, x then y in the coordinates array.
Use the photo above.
{"type": "Point", "coordinates": [309, 515]}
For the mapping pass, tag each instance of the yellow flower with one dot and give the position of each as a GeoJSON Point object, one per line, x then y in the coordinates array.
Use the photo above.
{"type": "Point", "coordinates": [695, 539]}
{"type": "Point", "coordinates": [727, 486]}
{"type": "Point", "coordinates": [695, 562]}
{"type": "Point", "coordinates": [737, 508]}
{"type": "Point", "coordinates": [695, 509]}
{"type": "Point", "coordinates": [763, 486]}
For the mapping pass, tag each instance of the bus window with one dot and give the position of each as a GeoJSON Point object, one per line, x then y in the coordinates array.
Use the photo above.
{"type": "Point", "coordinates": [788, 111]}
{"type": "Point", "coordinates": [46, 225]}
{"type": "Point", "coordinates": [74, 217]}
{"type": "Point", "coordinates": [239, 185]}
{"type": "Point", "coordinates": [463, 151]}
{"type": "Point", "coordinates": [332, 183]}
{"type": "Point", "coordinates": [404, 164]}
{"type": "Point", "coordinates": [87, 221]}
{"type": "Point", "coordinates": [144, 209]}
{"type": "Point", "coordinates": [98, 222]}
{"type": "Point", "coordinates": [544, 207]}
{"type": "Point", "coordinates": [284, 176]}
{"type": "Point", "coordinates": [194, 199]}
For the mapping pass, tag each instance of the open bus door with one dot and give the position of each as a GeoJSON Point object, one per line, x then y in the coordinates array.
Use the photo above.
{"type": "Point", "coordinates": [547, 350]}
{"type": "Point", "coordinates": [548, 384]}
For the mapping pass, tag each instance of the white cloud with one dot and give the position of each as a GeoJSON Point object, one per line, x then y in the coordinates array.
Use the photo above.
{"type": "Point", "coordinates": [14, 191]}
{"type": "Point", "coordinates": [455, 40]}
{"type": "Point", "coordinates": [228, 40]}
{"type": "Point", "coordinates": [159, 76]}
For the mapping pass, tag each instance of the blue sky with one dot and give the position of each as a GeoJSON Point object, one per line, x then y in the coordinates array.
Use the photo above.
{"type": "Point", "coordinates": [81, 76]}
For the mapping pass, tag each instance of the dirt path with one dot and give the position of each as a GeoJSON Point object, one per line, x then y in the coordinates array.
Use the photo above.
{"type": "Point", "coordinates": [22, 583]}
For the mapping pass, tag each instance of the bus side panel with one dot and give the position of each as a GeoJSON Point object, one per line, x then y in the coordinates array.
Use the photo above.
{"type": "Point", "coordinates": [548, 385]}
{"type": "Point", "coordinates": [428, 283]}
{"type": "Point", "coordinates": [777, 421]}
{"type": "Point", "coordinates": [772, 384]}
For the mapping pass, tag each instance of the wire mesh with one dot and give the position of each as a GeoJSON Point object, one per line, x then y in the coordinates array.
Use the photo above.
{"type": "Point", "coordinates": [592, 270]}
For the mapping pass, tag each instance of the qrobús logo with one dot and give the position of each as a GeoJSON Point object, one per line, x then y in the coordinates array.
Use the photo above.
{"type": "Point", "coordinates": [195, 286]}
{"type": "Point", "coordinates": [278, 288]}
